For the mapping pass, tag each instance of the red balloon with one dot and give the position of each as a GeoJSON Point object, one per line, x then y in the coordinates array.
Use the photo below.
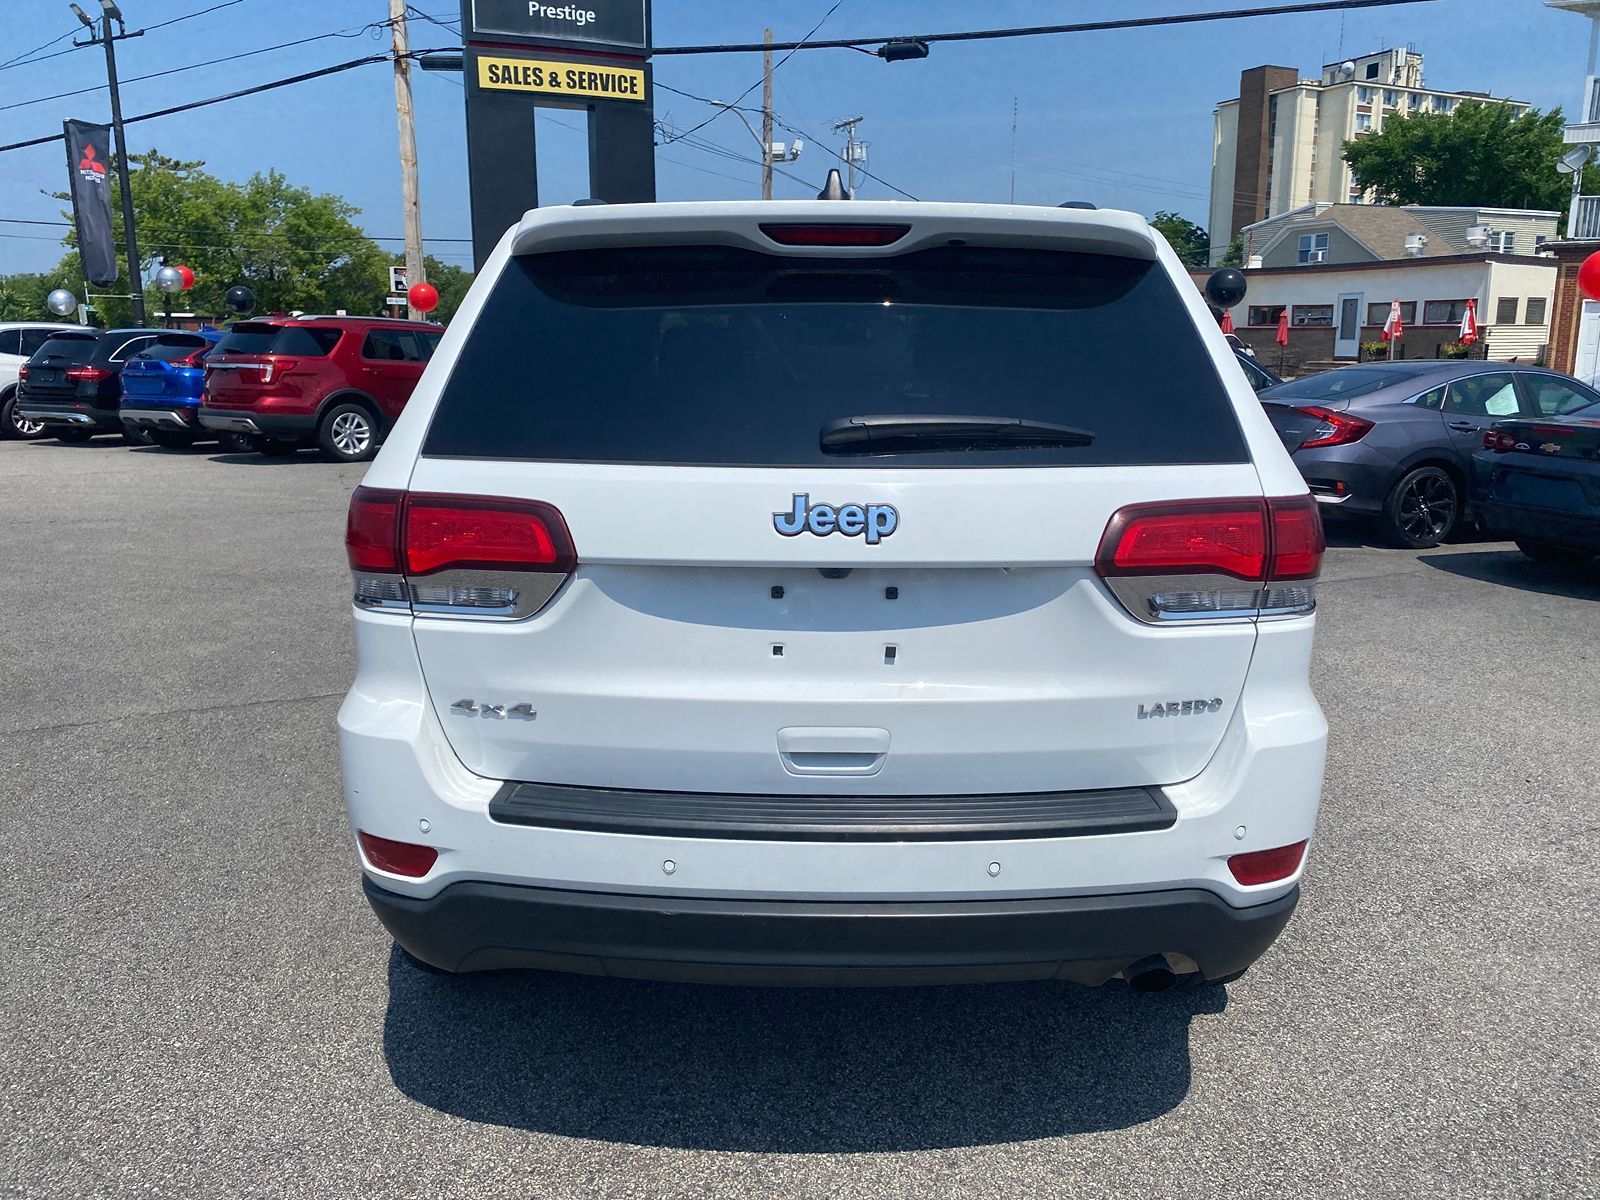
{"type": "Point", "coordinates": [423, 297]}
{"type": "Point", "coordinates": [1589, 276]}
{"type": "Point", "coordinates": [188, 277]}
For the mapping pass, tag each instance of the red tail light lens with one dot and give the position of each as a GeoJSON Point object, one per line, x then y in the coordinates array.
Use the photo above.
{"type": "Point", "coordinates": [477, 556]}
{"type": "Point", "coordinates": [1298, 543]}
{"type": "Point", "coordinates": [1196, 559]}
{"type": "Point", "coordinates": [1267, 866]}
{"type": "Point", "coordinates": [397, 858]}
{"type": "Point", "coordinates": [275, 367]}
{"type": "Point", "coordinates": [22, 371]}
{"type": "Point", "coordinates": [1221, 537]}
{"type": "Point", "coordinates": [372, 530]}
{"type": "Point", "coordinates": [1494, 439]}
{"type": "Point", "coordinates": [1333, 428]}
{"type": "Point", "coordinates": [480, 533]}
{"type": "Point", "coordinates": [88, 374]}
{"type": "Point", "coordinates": [196, 359]}
{"type": "Point", "coordinates": [835, 235]}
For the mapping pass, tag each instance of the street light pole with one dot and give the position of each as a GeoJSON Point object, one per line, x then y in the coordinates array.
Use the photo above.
{"type": "Point", "coordinates": [135, 276]}
{"type": "Point", "coordinates": [411, 203]}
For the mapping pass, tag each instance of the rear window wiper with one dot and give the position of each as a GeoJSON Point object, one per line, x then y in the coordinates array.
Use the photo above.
{"type": "Point", "coordinates": [899, 434]}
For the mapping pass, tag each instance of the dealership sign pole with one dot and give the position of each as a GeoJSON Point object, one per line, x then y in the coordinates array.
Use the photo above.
{"type": "Point", "coordinates": [592, 57]}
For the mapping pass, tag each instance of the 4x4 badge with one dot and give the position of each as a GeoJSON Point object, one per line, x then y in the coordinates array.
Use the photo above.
{"type": "Point", "coordinates": [872, 521]}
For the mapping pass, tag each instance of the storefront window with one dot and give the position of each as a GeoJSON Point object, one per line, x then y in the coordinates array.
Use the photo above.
{"type": "Point", "coordinates": [1312, 314]}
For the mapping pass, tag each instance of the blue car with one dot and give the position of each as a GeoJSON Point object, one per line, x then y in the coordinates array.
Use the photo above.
{"type": "Point", "coordinates": [162, 387]}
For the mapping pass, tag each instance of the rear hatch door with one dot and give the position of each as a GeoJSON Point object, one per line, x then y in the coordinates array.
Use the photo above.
{"type": "Point", "coordinates": [760, 608]}
{"type": "Point", "coordinates": [47, 369]}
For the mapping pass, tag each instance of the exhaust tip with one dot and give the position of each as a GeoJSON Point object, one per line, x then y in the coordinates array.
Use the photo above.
{"type": "Point", "coordinates": [1150, 974]}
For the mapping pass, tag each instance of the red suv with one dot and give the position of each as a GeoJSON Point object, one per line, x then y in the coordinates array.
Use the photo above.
{"type": "Point", "coordinates": [335, 382]}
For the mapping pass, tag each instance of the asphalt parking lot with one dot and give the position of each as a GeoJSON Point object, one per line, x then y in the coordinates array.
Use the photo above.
{"type": "Point", "coordinates": [195, 1000]}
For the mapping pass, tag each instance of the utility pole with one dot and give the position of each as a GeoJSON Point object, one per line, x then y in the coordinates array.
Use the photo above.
{"type": "Point", "coordinates": [1013, 149]}
{"type": "Point", "coordinates": [766, 116]}
{"type": "Point", "coordinates": [854, 151]}
{"type": "Point", "coordinates": [112, 12]}
{"type": "Point", "coordinates": [411, 204]}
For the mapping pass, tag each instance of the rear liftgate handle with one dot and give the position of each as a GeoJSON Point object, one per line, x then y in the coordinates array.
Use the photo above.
{"type": "Point", "coordinates": [833, 750]}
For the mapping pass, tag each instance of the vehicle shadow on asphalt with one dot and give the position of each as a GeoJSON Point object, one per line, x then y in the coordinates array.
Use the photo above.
{"type": "Point", "coordinates": [1514, 569]}
{"type": "Point", "coordinates": [788, 1070]}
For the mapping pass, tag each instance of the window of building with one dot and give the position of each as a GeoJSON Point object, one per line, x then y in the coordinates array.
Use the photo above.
{"type": "Point", "coordinates": [1443, 312]}
{"type": "Point", "coordinates": [1372, 71]}
{"type": "Point", "coordinates": [1363, 96]}
{"type": "Point", "coordinates": [1534, 313]}
{"type": "Point", "coordinates": [1363, 123]}
{"type": "Point", "coordinates": [1390, 99]}
{"type": "Point", "coordinates": [1378, 314]}
{"type": "Point", "coordinates": [1311, 314]}
{"type": "Point", "coordinates": [1505, 310]}
{"type": "Point", "coordinates": [1504, 241]}
{"type": "Point", "coordinates": [1441, 104]}
{"type": "Point", "coordinates": [1313, 248]}
{"type": "Point", "coordinates": [1265, 315]}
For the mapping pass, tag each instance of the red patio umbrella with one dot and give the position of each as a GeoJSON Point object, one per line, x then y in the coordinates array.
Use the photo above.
{"type": "Point", "coordinates": [1469, 324]}
{"type": "Point", "coordinates": [1227, 322]}
{"type": "Point", "coordinates": [1283, 328]}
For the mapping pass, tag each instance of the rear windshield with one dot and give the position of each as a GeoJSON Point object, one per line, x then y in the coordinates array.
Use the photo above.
{"type": "Point", "coordinates": [1345, 383]}
{"type": "Point", "coordinates": [279, 339]}
{"type": "Point", "coordinates": [169, 349]}
{"type": "Point", "coordinates": [73, 345]}
{"type": "Point", "coordinates": [720, 356]}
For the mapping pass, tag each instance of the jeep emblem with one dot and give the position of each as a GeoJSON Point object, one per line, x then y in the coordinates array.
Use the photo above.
{"type": "Point", "coordinates": [872, 521]}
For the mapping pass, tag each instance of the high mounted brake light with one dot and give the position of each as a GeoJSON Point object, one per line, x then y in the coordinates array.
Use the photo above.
{"type": "Point", "coordinates": [1191, 560]}
{"type": "Point", "coordinates": [477, 556]}
{"type": "Point", "coordinates": [835, 235]}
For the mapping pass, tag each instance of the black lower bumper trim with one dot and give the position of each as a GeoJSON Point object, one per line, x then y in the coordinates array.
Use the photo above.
{"type": "Point", "coordinates": [285, 427]}
{"type": "Point", "coordinates": [1572, 531]}
{"type": "Point", "coordinates": [856, 818]}
{"type": "Point", "coordinates": [478, 926]}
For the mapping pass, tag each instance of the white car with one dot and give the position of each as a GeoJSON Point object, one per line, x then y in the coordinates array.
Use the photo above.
{"type": "Point", "coordinates": [800, 592]}
{"type": "Point", "coordinates": [18, 341]}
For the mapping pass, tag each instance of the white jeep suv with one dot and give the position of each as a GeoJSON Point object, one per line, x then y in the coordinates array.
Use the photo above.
{"type": "Point", "coordinates": [834, 592]}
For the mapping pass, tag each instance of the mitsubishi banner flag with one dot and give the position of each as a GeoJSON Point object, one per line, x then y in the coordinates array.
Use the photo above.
{"type": "Point", "coordinates": [89, 169]}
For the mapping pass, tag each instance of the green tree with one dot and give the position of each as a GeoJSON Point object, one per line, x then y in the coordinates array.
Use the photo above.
{"type": "Point", "coordinates": [297, 250]}
{"type": "Point", "coordinates": [1476, 155]}
{"type": "Point", "coordinates": [1234, 255]}
{"type": "Point", "coordinates": [1187, 238]}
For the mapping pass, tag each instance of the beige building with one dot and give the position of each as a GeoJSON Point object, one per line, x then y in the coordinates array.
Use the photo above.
{"type": "Point", "coordinates": [1279, 144]}
{"type": "Point", "coordinates": [1346, 233]}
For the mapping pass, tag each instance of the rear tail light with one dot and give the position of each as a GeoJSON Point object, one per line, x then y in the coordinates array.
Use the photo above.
{"type": "Point", "coordinates": [275, 367]}
{"type": "Point", "coordinates": [22, 371]}
{"type": "Point", "coordinates": [397, 858]}
{"type": "Point", "coordinates": [1333, 428]}
{"type": "Point", "coordinates": [1267, 866]}
{"type": "Point", "coordinates": [196, 359]}
{"type": "Point", "coordinates": [477, 556]}
{"type": "Point", "coordinates": [836, 235]}
{"type": "Point", "coordinates": [1213, 559]}
{"type": "Point", "coordinates": [1495, 439]}
{"type": "Point", "coordinates": [88, 374]}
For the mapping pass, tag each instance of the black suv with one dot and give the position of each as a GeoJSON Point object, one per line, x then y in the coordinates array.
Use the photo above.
{"type": "Point", "coordinates": [73, 382]}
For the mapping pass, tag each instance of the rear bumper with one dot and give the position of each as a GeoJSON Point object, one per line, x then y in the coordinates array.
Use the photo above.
{"type": "Point", "coordinates": [155, 414]}
{"type": "Point", "coordinates": [289, 427]}
{"type": "Point", "coordinates": [478, 926]}
{"type": "Point", "coordinates": [1545, 525]}
{"type": "Point", "coordinates": [69, 416]}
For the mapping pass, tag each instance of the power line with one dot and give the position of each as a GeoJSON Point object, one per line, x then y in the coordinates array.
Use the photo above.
{"type": "Point", "coordinates": [20, 60]}
{"type": "Point", "coordinates": [348, 33]}
{"type": "Point", "coordinates": [765, 75]}
{"type": "Point", "coordinates": [972, 35]}
{"type": "Point", "coordinates": [193, 15]}
{"type": "Point", "coordinates": [303, 77]}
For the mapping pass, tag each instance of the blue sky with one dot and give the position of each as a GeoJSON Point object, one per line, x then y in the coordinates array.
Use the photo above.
{"type": "Point", "coordinates": [1122, 119]}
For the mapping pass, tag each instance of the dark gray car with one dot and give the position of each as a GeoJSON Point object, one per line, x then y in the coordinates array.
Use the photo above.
{"type": "Point", "coordinates": [1394, 441]}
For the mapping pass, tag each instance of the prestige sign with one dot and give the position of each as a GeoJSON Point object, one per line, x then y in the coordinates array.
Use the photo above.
{"type": "Point", "coordinates": [621, 23]}
{"type": "Point", "coordinates": [594, 82]}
